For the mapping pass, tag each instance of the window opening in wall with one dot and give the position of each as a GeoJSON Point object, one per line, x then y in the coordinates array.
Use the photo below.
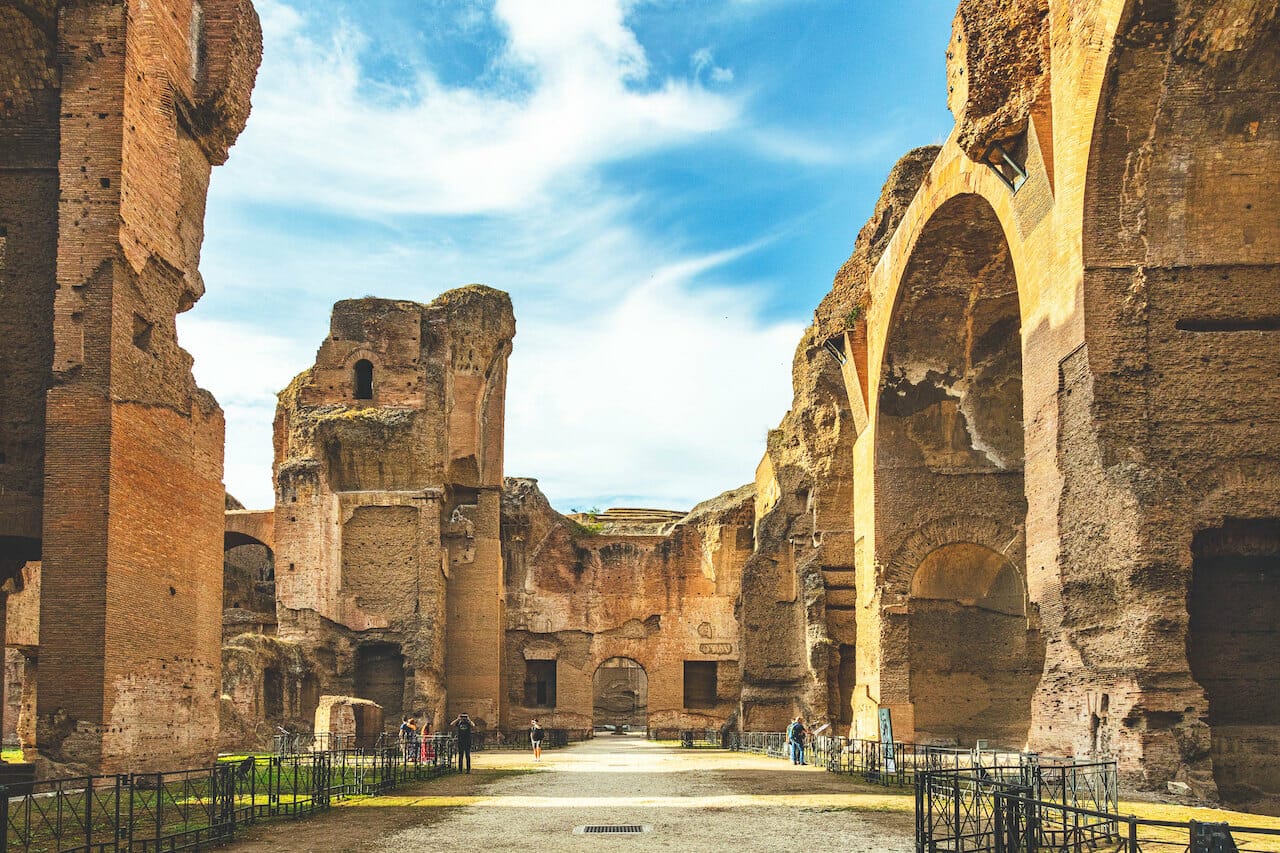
{"type": "Point", "coordinates": [699, 684]}
{"type": "Point", "coordinates": [1229, 324]}
{"type": "Point", "coordinates": [835, 350]}
{"type": "Point", "coordinates": [540, 684]}
{"type": "Point", "coordinates": [363, 376]}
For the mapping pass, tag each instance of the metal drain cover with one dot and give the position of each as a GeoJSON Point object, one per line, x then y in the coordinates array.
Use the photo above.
{"type": "Point", "coordinates": [616, 829]}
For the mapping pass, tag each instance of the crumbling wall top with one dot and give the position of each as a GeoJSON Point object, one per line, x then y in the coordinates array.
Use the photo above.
{"type": "Point", "coordinates": [850, 291]}
{"type": "Point", "coordinates": [997, 68]}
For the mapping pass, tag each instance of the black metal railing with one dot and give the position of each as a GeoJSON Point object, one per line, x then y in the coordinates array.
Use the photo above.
{"type": "Point", "coordinates": [297, 743]}
{"type": "Point", "coordinates": [1000, 810]}
{"type": "Point", "coordinates": [875, 763]}
{"type": "Point", "coordinates": [706, 739]}
{"type": "Point", "coordinates": [190, 809]}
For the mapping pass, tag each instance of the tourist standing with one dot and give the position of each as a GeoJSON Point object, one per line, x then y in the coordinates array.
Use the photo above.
{"type": "Point", "coordinates": [406, 737]}
{"type": "Point", "coordinates": [535, 737]}
{"type": "Point", "coordinates": [796, 733]}
{"type": "Point", "coordinates": [463, 726]}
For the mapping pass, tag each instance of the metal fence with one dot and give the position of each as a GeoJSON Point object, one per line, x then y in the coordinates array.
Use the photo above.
{"type": "Point", "coordinates": [771, 744]}
{"type": "Point", "coordinates": [705, 739]}
{"type": "Point", "coordinates": [190, 809]}
{"type": "Point", "coordinates": [1001, 810]}
{"type": "Point", "coordinates": [870, 759]}
{"type": "Point", "coordinates": [297, 743]}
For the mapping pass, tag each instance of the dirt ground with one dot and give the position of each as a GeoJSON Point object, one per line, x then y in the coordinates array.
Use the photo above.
{"type": "Point", "coordinates": [691, 799]}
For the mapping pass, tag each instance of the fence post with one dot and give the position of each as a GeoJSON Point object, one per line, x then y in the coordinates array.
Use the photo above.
{"type": "Point", "coordinates": [159, 789]}
{"type": "Point", "coordinates": [88, 813]}
{"type": "Point", "coordinates": [1133, 835]}
{"type": "Point", "coordinates": [997, 811]}
{"type": "Point", "coordinates": [119, 829]}
{"type": "Point", "coordinates": [4, 818]}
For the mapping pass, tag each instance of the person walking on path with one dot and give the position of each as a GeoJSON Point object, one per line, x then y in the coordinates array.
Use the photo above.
{"type": "Point", "coordinates": [535, 737]}
{"type": "Point", "coordinates": [796, 733]}
{"type": "Point", "coordinates": [463, 726]}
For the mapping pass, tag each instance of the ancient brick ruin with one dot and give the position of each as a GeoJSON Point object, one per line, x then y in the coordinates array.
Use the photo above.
{"type": "Point", "coordinates": [1028, 491]}
{"type": "Point", "coordinates": [111, 117]}
{"type": "Point", "coordinates": [624, 618]}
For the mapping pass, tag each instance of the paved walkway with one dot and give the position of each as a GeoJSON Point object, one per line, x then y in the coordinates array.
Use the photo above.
{"type": "Point", "coordinates": [692, 800]}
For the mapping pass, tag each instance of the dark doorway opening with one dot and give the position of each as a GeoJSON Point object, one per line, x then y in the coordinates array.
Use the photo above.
{"type": "Point", "coordinates": [540, 683]}
{"type": "Point", "coordinates": [620, 695]}
{"type": "Point", "coordinates": [362, 375]}
{"type": "Point", "coordinates": [699, 684]}
{"type": "Point", "coordinates": [1234, 632]}
{"type": "Point", "coordinates": [380, 677]}
{"type": "Point", "coordinates": [272, 693]}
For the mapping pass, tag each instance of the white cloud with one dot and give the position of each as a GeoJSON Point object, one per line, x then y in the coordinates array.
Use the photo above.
{"type": "Point", "coordinates": [642, 367]}
{"type": "Point", "coordinates": [245, 366]}
{"type": "Point", "coordinates": [668, 396]}
{"type": "Point", "coordinates": [321, 134]}
{"type": "Point", "coordinates": [704, 62]}
{"type": "Point", "coordinates": [639, 369]}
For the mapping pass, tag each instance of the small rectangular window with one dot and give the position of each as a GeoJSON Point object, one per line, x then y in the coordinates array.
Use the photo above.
{"type": "Point", "coordinates": [540, 684]}
{"type": "Point", "coordinates": [700, 684]}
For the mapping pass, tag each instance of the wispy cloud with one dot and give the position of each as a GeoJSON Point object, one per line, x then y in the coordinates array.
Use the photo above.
{"type": "Point", "coordinates": [321, 136]}
{"type": "Point", "coordinates": [644, 363]}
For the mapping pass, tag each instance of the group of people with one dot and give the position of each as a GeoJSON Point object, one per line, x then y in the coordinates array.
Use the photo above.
{"type": "Point", "coordinates": [417, 743]}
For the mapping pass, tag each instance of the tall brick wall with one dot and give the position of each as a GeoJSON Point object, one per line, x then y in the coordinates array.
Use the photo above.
{"type": "Point", "coordinates": [28, 244]}
{"type": "Point", "coordinates": [132, 504]}
{"type": "Point", "coordinates": [1135, 251]}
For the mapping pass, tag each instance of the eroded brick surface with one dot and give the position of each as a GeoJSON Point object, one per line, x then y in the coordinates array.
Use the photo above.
{"type": "Point", "coordinates": [111, 115]}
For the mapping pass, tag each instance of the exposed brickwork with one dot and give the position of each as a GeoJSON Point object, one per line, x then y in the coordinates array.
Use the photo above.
{"type": "Point", "coordinates": [1078, 377]}
{"type": "Point", "coordinates": [28, 238]}
{"type": "Point", "coordinates": [582, 597]}
{"type": "Point", "coordinates": [386, 520]}
{"type": "Point", "coordinates": [118, 456]}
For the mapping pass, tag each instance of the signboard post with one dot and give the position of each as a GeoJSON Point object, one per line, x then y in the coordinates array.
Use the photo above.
{"type": "Point", "coordinates": [886, 741]}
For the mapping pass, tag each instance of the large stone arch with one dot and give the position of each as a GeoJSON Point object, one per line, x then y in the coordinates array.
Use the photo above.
{"type": "Point", "coordinates": [1181, 279]}
{"type": "Point", "coordinates": [947, 461]}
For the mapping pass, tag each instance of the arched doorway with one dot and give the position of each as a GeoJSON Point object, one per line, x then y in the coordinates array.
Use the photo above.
{"type": "Point", "coordinates": [1181, 282]}
{"type": "Point", "coordinates": [248, 575]}
{"type": "Point", "coordinates": [949, 475]}
{"type": "Point", "coordinates": [620, 695]}
{"type": "Point", "coordinates": [974, 664]}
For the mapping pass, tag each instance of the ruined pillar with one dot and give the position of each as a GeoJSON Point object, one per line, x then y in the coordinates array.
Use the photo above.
{"type": "Point", "coordinates": [473, 660]}
{"type": "Point", "coordinates": [152, 96]}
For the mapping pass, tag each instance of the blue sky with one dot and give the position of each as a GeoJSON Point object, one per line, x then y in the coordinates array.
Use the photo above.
{"type": "Point", "coordinates": [665, 188]}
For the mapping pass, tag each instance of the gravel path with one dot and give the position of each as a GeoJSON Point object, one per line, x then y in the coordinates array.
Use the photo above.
{"type": "Point", "coordinates": [693, 800]}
